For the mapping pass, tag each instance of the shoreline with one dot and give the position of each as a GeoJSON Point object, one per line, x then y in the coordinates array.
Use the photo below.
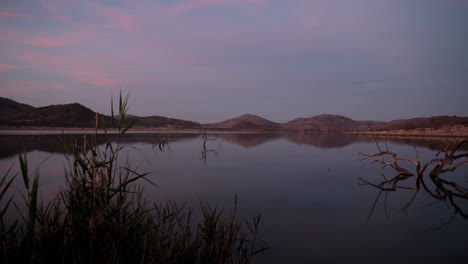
{"type": "Point", "coordinates": [457, 132]}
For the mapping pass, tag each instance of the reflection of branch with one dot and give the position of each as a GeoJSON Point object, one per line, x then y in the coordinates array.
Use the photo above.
{"type": "Point", "coordinates": [373, 207]}
{"type": "Point", "coordinates": [163, 145]}
{"type": "Point", "coordinates": [443, 224]}
{"type": "Point", "coordinates": [393, 162]}
{"type": "Point", "coordinates": [444, 190]}
{"type": "Point", "coordinates": [205, 150]}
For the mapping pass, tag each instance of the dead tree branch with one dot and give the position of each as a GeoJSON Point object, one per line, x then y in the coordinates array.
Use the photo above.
{"type": "Point", "coordinates": [445, 190]}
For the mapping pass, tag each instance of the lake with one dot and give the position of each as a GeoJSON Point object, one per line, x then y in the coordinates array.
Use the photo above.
{"type": "Point", "coordinates": [310, 190]}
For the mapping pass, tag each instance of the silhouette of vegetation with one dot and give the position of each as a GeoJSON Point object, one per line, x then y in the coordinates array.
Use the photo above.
{"type": "Point", "coordinates": [100, 216]}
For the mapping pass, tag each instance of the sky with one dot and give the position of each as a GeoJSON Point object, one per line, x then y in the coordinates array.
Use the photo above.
{"type": "Point", "coordinates": [210, 60]}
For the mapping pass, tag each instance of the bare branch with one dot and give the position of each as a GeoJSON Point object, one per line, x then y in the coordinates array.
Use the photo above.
{"type": "Point", "coordinates": [444, 191]}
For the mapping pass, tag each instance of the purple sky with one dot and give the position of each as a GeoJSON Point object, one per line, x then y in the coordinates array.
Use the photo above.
{"type": "Point", "coordinates": [209, 60]}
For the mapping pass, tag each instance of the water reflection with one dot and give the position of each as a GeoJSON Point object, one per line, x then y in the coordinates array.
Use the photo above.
{"type": "Point", "coordinates": [208, 149]}
{"type": "Point", "coordinates": [304, 186]}
{"type": "Point", "coordinates": [14, 144]}
{"type": "Point", "coordinates": [428, 176]}
{"type": "Point", "coordinates": [163, 145]}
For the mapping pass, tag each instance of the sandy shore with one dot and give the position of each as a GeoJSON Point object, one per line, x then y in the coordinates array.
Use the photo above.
{"type": "Point", "coordinates": [456, 131]}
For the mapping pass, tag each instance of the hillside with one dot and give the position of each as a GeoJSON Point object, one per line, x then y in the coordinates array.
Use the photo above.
{"type": "Point", "coordinates": [14, 114]}
{"type": "Point", "coordinates": [434, 122]}
{"type": "Point", "coordinates": [161, 121]}
{"type": "Point", "coordinates": [75, 115]}
{"type": "Point", "coordinates": [67, 115]}
{"type": "Point", "coordinates": [10, 109]}
{"type": "Point", "coordinates": [246, 121]}
{"type": "Point", "coordinates": [335, 122]}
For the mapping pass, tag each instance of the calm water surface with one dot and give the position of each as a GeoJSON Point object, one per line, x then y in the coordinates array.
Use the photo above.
{"type": "Point", "coordinates": [307, 188]}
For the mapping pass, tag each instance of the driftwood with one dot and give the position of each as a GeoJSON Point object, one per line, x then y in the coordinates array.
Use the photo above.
{"type": "Point", "coordinates": [444, 191]}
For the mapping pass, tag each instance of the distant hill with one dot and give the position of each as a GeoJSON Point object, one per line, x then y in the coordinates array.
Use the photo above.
{"type": "Point", "coordinates": [76, 115]}
{"type": "Point", "coordinates": [336, 122]}
{"type": "Point", "coordinates": [67, 115]}
{"type": "Point", "coordinates": [246, 121]}
{"type": "Point", "coordinates": [10, 109]}
{"type": "Point", "coordinates": [434, 122]}
{"type": "Point", "coordinates": [161, 121]}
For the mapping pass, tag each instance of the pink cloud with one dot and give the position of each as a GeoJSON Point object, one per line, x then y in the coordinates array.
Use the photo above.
{"type": "Point", "coordinates": [101, 79]}
{"type": "Point", "coordinates": [12, 15]}
{"type": "Point", "coordinates": [194, 4]}
{"type": "Point", "coordinates": [6, 67]}
{"type": "Point", "coordinates": [120, 17]}
{"type": "Point", "coordinates": [106, 82]}
{"type": "Point", "coordinates": [258, 2]}
{"type": "Point", "coordinates": [35, 87]}
{"type": "Point", "coordinates": [53, 7]}
{"type": "Point", "coordinates": [46, 42]}
{"type": "Point", "coordinates": [310, 22]}
{"type": "Point", "coordinates": [59, 87]}
{"type": "Point", "coordinates": [82, 35]}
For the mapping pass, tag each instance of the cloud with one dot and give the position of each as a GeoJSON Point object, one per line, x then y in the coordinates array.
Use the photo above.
{"type": "Point", "coordinates": [53, 7]}
{"type": "Point", "coordinates": [263, 3]}
{"type": "Point", "coordinates": [190, 5]}
{"type": "Point", "coordinates": [6, 67]}
{"type": "Point", "coordinates": [101, 79]}
{"type": "Point", "coordinates": [19, 87]}
{"type": "Point", "coordinates": [79, 35]}
{"type": "Point", "coordinates": [12, 15]}
{"type": "Point", "coordinates": [120, 18]}
{"type": "Point", "coordinates": [46, 42]}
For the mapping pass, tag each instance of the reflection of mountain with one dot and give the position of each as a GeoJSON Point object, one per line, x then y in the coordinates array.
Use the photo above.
{"type": "Point", "coordinates": [324, 140]}
{"type": "Point", "coordinates": [14, 144]}
{"type": "Point", "coordinates": [436, 143]}
{"type": "Point", "coordinates": [249, 139]}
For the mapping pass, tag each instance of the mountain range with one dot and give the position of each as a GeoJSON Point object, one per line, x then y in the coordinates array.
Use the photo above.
{"type": "Point", "coordinates": [15, 114]}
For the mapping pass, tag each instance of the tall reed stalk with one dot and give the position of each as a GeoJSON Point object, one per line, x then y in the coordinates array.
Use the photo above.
{"type": "Point", "coordinates": [100, 216]}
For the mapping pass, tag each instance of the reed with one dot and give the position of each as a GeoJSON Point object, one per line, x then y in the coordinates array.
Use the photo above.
{"type": "Point", "coordinates": [101, 216]}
